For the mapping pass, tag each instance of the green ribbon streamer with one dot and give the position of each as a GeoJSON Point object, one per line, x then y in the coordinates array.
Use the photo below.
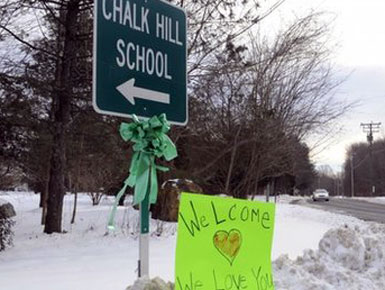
{"type": "Point", "coordinates": [111, 219]}
{"type": "Point", "coordinates": [150, 142]}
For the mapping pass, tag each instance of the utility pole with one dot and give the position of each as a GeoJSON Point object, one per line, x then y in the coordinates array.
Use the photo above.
{"type": "Point", "coordinates": [351, 175]}
{"type": "Point", "coordinates": [369, 129]}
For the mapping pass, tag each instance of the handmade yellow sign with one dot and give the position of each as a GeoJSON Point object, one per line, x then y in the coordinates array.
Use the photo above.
{"type": "Point", "coordinates": [223, 244]}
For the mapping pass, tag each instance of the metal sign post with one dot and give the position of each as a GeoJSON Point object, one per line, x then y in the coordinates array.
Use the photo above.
{"type": "Point", "coordinates": [144, 238]}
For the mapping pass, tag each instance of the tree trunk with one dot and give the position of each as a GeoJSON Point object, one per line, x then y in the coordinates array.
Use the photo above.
{"type": "Point", "coordinates": [61, 107]}
{"type": "Point", "coordinates": [77, 174]}
{"type": "Point", "coordinates": [75, 206]}
{"type": "Point", "coordinates": [255, 190]}
{"type": "Point", "coordinates": [232, 160]}
{"type": "Point", "coordinates": [44, 198]}
{"type": "Point", "coordinates": [41, 189]}
{"type": "Point", "coordinates": [56, 184]}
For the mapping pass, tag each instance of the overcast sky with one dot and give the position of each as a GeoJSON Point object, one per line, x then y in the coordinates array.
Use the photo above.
{"type": "Point", "coordinates": [359, 30]}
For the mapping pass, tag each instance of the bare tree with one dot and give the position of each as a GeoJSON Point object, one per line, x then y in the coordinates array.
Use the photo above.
{"type": "Point", "coordinates": [266, 98]}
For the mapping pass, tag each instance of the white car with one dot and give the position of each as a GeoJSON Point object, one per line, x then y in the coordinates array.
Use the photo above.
{"type": "Point", "coordinates": [320, 194]}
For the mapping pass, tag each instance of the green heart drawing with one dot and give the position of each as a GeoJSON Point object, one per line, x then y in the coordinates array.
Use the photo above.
{"type": "Point", "coordinates": [228, 243]}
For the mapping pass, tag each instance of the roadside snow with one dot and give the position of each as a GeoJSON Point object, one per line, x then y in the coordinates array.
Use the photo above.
{"type": "Point", "coordinates": [377, 199]}
{"type": "Point", "coordinates": [2, 201]}
{"type": "Point", "coordinates": [86, 257]}
{"type": "Point", "coordinates": [348, 258]}
{"type": "Point", "coordinates": [283, 198]}
{"type": "Point", "coordinates": [298, 228]}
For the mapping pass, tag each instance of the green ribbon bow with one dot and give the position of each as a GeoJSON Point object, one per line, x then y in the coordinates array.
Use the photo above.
{"type": "Point", "coordinates": [151, 142]}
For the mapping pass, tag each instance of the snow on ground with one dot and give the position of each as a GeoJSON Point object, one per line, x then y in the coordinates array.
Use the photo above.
{"type": "Point", "coordinates": [348, 258]}
{"type": "Point", "coordinates": [377, 199]}
{"type": "Point", "coordinates": [87, 258]}
{"type": "Point", "coordinates": [2, 201]}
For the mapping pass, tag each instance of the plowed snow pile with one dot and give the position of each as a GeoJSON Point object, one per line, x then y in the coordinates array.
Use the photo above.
{"type": "Point", "coordinates": [348, 258]}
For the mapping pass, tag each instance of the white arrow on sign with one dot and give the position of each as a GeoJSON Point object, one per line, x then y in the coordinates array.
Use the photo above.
{"type": "Point", "coordinates": [129, 91]}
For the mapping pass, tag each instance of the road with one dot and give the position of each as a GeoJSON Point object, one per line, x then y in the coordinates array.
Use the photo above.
{"type": "Point", "coordinates": [360, 209]}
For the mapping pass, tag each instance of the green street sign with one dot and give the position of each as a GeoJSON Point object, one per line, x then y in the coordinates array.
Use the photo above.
{"type": "Point", "coordinates": [140, 59]}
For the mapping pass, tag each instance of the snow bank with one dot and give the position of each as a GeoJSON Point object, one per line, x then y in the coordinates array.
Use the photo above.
{"type": "Point", "coordinates": [378, 199]}
{"type": "Point", "coordinates": [347, 258]}
{"type": "Point", "coordinates": [151, 284]}
{"type": "Point", "coordinates": [282, 198]}
{"type": "Point", "coordinates": [2, 201]}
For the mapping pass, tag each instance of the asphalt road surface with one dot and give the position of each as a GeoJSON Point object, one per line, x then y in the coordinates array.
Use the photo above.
{"type": "Point", "coordinates": [364, 210]}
